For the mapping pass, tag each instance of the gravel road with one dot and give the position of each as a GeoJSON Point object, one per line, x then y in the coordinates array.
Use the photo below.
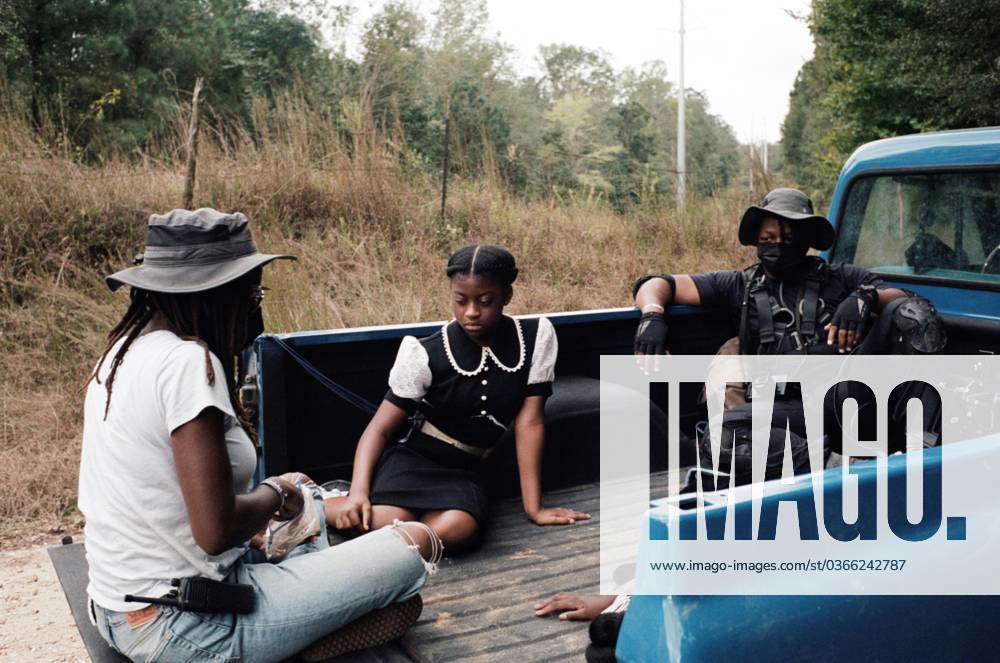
{"type": "Point", "coordinates": [35, 622]}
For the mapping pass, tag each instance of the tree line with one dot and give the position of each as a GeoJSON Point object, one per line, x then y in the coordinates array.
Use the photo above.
{"type": "Point", "coordinates": [108, 76]}
{"type": "Point", "coordinates": [885, 68]}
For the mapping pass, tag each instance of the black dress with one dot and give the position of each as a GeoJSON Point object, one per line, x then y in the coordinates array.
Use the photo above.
{"type": "Point", "coordinates": [462, 398]}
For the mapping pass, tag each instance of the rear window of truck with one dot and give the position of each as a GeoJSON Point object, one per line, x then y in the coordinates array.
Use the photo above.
{"type": "Point", "coordinates": [933, 226]}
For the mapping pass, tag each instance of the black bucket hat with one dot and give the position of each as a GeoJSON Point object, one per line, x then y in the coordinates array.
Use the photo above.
{"type": "Point", "coordinates": [192, 251]}
{"type": "Point", "coordinates": [791, 205]}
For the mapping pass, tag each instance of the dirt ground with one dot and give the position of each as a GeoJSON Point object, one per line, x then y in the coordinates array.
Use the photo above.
{"type": "Point", "coordinates": [35, 621]}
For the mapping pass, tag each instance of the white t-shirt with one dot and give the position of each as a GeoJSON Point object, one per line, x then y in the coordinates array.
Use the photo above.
{"type": "Point", "coordinates": [138, 534]}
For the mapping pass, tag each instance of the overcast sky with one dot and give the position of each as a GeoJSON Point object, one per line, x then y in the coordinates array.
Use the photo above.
{"type": "Point", "coordinates": [742, 54]}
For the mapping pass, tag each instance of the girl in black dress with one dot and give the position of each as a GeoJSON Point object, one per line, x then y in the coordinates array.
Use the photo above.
{"type": "Point", "coordinates": [460, 388]}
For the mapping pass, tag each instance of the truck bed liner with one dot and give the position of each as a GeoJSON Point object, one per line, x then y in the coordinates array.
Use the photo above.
{"type": "Point", "coordinates": [479, 606]}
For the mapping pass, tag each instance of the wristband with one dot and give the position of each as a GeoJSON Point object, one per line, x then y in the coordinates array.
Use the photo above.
{"type": "Point", "coordinates": [869, 294]}
{"type": "Point", "coordinates": [276, 487]}
{"type": "Point", "coordinates": [669, 278]}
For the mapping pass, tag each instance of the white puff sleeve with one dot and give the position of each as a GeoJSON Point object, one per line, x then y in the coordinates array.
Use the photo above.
{"type": "Point", "coordinates": [543, 358]}
{"type": "Point", "coordinates": [410, 376]}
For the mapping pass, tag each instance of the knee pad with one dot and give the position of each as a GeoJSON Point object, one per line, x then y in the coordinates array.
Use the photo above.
{"type": "Point", "coordinates": [917, 328]}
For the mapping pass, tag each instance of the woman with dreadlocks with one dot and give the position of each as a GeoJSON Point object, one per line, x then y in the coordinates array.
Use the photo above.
{"type": "Point", "coordinates": [461, 389]}
{"type": "Point", "coordinates": [167, 468]}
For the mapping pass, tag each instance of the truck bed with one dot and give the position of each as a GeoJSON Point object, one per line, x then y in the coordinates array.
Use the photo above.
{"type": "Point", "coordinates": [479, 606]}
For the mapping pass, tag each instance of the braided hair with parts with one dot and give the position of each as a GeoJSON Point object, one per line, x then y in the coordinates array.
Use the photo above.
{"type": "Point", "coordinates": [483, 260]}
{"type": "Point", "coordinates": [217, 320]}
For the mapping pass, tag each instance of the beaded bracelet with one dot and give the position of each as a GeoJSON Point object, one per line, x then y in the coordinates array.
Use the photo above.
{"type": "Point", "coordinates": [276, 487]}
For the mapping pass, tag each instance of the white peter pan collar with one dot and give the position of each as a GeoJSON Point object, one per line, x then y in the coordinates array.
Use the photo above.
{"type": "Point", "coordinates": [486, 352]}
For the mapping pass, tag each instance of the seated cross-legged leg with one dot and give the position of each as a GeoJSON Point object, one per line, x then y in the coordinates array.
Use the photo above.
{"type": "Point", "coordinates": [457, 529]}
{"type": "Point", "coordinates": [385, 514]}
{"type": "Point", "coordinates": [329, 504]}
{"type": "Point", "coordinates": [381, 515]}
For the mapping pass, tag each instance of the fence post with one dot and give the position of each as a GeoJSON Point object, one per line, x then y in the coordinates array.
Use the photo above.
{"type": "Point", "coordinates": [192, 147]}
{"type": "Point", "coordinates": [445, 162]}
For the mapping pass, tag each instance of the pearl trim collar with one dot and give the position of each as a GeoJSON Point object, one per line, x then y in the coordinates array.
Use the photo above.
{"type": "Point", "coordinates": [487, 352]}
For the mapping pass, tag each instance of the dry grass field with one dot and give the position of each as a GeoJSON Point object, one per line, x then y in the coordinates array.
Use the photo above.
{"type": "Point", "coordinates": [362, 217]}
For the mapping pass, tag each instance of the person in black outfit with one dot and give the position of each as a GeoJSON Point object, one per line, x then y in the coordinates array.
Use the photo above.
{"type": "Point", "coordinates": [792, 303]}
{"type": "Point", "coordinates": [460, 389]}
{"type": "Point", "coordinates": [789, 302]}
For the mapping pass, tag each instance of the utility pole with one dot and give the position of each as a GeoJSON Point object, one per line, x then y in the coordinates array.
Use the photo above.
{"type": "Point", "coordinates": [681, 138]}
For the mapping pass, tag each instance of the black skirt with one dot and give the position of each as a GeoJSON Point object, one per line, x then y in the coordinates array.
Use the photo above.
{"type": "Point", "coordinates": [409, 479]}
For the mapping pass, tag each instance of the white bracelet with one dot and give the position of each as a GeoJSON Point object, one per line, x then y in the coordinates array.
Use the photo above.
{"type": "Point", "coordinates": [276, 487]}
{"type": "Point", "coordinates": [652, 307]}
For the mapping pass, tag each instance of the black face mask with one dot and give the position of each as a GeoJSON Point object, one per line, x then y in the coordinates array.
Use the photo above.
{"type": "Point", "coordinates": [781, 259]}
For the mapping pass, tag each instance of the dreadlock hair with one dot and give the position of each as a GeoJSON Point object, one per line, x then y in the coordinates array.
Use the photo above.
{"type": "Point", "coordinates": [215, 319]}
{"type": "Point", "coordinates": [483, 260]}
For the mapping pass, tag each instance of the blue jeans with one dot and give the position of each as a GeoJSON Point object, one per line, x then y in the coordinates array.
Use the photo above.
{"type": "Point", "coordinates": [312, 592]}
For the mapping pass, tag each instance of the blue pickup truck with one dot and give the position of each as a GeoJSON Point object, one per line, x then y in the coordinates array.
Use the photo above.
{"type": "Point", "coordinates": [939, 192]}
{"type": "Point", "coordinates": [923, 212]}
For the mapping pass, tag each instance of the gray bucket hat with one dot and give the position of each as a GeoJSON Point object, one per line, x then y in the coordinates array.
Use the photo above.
{"type": "Point", "coordinates": [193, 251]}
{"type": "Point", "coordinates": [791, 205]}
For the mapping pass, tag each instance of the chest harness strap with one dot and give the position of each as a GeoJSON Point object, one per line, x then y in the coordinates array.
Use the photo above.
{"type": "Point", "coordinates": [774, 318]}
{"type": "Point", "coordinates": [750, 275]}
{"type": "Point", "coordinates": [808, 307]}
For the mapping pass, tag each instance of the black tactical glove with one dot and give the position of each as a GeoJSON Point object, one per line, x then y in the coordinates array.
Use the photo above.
{"type": "Point", "coordinates": [851, 318]}
{"type": "Point", "coordinates": [651, 336]}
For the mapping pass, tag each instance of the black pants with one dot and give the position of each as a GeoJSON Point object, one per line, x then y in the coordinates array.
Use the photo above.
{"type": "Point", "coordinates": [737, 428]}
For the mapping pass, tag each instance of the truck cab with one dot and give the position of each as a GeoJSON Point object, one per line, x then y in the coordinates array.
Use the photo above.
{"type": "Point", "coordinates": [923, 212]}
